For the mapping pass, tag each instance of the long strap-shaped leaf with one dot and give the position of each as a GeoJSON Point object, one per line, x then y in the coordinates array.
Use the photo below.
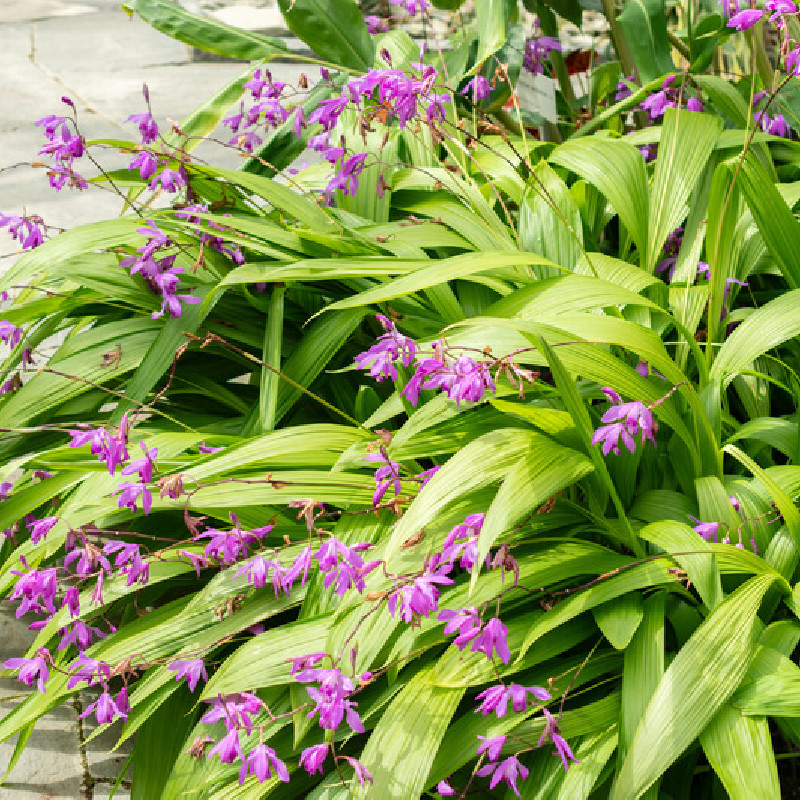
{"type": "Point", "coordinates": [687, 141]}
{"type": "Point", "coordinates": [705, 672]}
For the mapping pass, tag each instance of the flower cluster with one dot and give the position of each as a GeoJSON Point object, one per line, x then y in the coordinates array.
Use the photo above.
{"type": "Point", "coordinates": [190, 214]}
{"type": "Point", "coordinates": [743, 20]}
{"type": "Point", "coordinates": [26, 230]}
{"type": "Point", "coordinates": [148, 162]}
{"type": "Point", "coordinates": [331, 697]}
{"type": "Point", "coordinates": [385, 94]}
{"type": "Point", "coordinates": [779, 11]}
{"type": "Point", "coordinates": [32, 670]}
{"type": "Point", "coordinates": [110, 448]}
{"type": "Point", "coordinates": [267, 109]}
{"type": "Point", "coordinates": [190, 669]}
{"type": "Point", "coordinates": [420, 596]}
{"type": "Point", "coordinates": [148, 128]}
{"type": "Point", "coordinates": [107, 709]}
{"type": "Point", "coordinates": [381, 357]}
{"type": "Point", "coordinates": [375, 24]}
{"type": "Point", "coordinates": [412, 7]}
{"type": "Point", "coordinates": [160, 274]}
{"type": "Point", "coordinates": [236, 712]}
{"type": "Point", "coordinates": [627, 419]}
{"type": "Point", "coordinates": [387, 476]}
{"type": "Point", "coordinates": [709, 530]}
{"type": "Point", "coordinates": [477, 89]}
{"type": "Point", "coordinates": [461, 378]}
{"type": "Point", "coordinates": [10, 334]}
{"type": "Point", "coordinates": [35, 589]}
{"type": "Point", "coordinates": [227, 547]}
{"type": "Point", "coordinates": [510, 769]}
{"type": "Point", "coordinates": [344, 567]}
{"type": "Point", "coordinates": [669, 96]}
{"type": "Point", "coordinates": [64, 146]}
{"type": "Point", "coordinates": [537, 50]}
{"type": "Point", "coordinates": [776, 124]}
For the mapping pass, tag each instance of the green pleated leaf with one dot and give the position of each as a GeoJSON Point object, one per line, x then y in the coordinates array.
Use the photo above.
{"type": "Point", "coordinates": [704, 673]}
{"type": "Point", "coordinates": [644, 25]}
{"type": "Point", "coordinates": [400, 750]}
{"type": "Point", "coordinates": [283, 197]}
{"type": "Point", "coordinates": [334, 29]}
{"type": "Point", "coordinates": [491, 26]}
{"type": "Point", "coordinates": [619, 619]}
{"type": "Point", "coordinates": [689, 548]}
{"type": "Point", "coordinates": [643, 669]}
{"type": "Point", "coordinates": [541, 471]}
{"type": "Point", "coordinates": [206, 33]}
{"type": "Point", "coordinates": [775, 220]}
{"type": "Point", "coordinates": [739, 748]}
{"type": "Point", "coordinates": [776, 432]}
{"type": "Point", "coordinates": [725, 97]}
{"type": "Point", "coordinates": [771, 687]}
{"type": "Point", "coordinates": [46, 391]}
{"type": "Point", "coordinates": [160, 355]}
{"type": "Point", "coordinates": [617, 169]}
{"type": "Point", "coordinates": [74, 242]}
{"type": "Point", "coordinates": [264, 659]}
{"type": "Point", "coordinates": [441, 271]}
{"type": "Point", "coordinates": [482, 462]}
{"type": "Point", "coordinates": [787, 560]}
{"type": "Point", "coordinates": [155, 753]}
{"type": "Point", "coordinates": [623, 581]}
{"type": "Point", "coordinates": [687, 141]}
{"type": "Point", "coordinates": [767, 327]}
{"type": "Point", "coordinates": [549, 219]}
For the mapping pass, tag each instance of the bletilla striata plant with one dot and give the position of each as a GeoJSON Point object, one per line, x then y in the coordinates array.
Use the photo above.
{"type": "Point", "coordinates": [458, 461]}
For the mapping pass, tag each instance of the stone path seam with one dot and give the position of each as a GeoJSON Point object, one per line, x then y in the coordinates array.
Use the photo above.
{"type": "Point", "coordinates": [87, 782]}
{"type": "Point", "coordinates": [69, 90]}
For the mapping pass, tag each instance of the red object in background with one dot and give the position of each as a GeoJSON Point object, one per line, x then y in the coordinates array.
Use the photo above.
{"type": "Point", "coordinates": [579, 60]}
{"type": "Point", "coordinates": [509, 104]}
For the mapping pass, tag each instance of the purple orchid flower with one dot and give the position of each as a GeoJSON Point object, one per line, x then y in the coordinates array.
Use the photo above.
{"type": "Point", "coordinates": [192, 670]}
{"type": "Point", "coordinates": [493, 638]}
{"type": "Point", "coordinates": [32, 670]}
{"type": "Point", "coordinates": [261, 761]}
{"type": "Point", "coordinates": [745, 20]}
{"type": "Point", "coordinates": [508, 771]}
{"type": "Point", "coordinates": [312, 758]}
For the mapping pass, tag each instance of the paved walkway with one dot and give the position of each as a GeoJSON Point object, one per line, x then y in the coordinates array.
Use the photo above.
{"type": "Point", "coordinates": [93, 52]}
{"type": "Point", "coordinates": [58, 763]}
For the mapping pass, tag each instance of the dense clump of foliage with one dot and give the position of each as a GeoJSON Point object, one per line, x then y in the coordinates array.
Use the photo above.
{"type": "Point", "coordinates": [470, 444]}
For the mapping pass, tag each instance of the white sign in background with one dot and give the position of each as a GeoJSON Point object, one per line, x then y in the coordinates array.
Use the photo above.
{"type": "Point", "coordinates": [537, 93]}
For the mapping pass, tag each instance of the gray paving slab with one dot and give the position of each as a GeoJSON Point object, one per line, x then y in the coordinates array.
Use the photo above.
{"type": "Point", "coordinates": [31, 10]}
{"type": "Point", "coordinates": [102, 761]}
{"type": "Point", "coordinates": [51, 763]}
{"type": "Point", "coordinates": [102, 791]}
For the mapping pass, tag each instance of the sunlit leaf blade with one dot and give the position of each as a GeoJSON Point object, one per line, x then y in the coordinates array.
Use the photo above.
{"type": "Point", "coordinates": [687, 140]}
{"type": "Point", "coordinates": [334, 29]}
{"type": "Point", "coordinates": [704, 673]}
{"type": "Point", "coordinates": [413, 724]}
{"type": "Point", "coordinates": [619, 619]}
{"type": "Point", "coordinates": [739, 748]}
{"type": "Point", "coordinates": [206, 33]}
{"type": "Point", "coordinates": [617, 169]}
